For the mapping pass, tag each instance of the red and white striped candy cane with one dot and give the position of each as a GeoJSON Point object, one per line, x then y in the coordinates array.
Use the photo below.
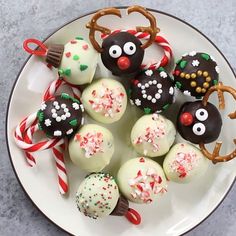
{"type": "Point", "coordinates": [160, 41]}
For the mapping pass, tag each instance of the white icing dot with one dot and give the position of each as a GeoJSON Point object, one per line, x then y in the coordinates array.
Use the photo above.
{"type": "Point", "coordinates": [58, 119]}
{"type": "Point", "coordinates": [160, 91]}
{"type": "Point", "coordinates": [144, 95]}
{"type": "Point", "coordinates": [154, 82]}
{"type": "Point", "coordinates": [157, 96]}
{"type": "Point", "coordinates": [63, 117]}
{"type": "Point", "coordinates": [154, 100]}
{"type": "Point", "coordinates": [159, 85]}
{"type": "Point", "coordinates": [149, 97]}
{"type": "Point", "coordinates": [55, 103]}
{"type": "Point", "coordinates": [142, 87]}
{"type": "Point", "coordinates": [63, 105]}
{"type": "Point", "coordinates": [70, 131]}
{"type": "Point", "coordinates": [53, 110]}
{"type": "Point", "coordinates": [139, 85]}
{"type": "Point", "coordinates": [143, 91]}
{"type": "Point", "coordinates": [57, 107]}
{"type": "Point", "coordinates": [57, 133]}
{"type": "Point", "coordinates": [147, 85]}
{"type": "Point", "coordinates": [54, 115]}
{"type": "Point", "coordinates": [67, 114]}
{"type": "Point", "coordinates": [47, 122]}
{"type": "Point", "coordinates": [66, 110]}
{"type": "Point", "coordinates": [150, 82]}
{"type": "Point", "coordinates": [163, 74]}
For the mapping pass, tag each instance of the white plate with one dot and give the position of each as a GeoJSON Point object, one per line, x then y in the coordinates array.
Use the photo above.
{"type": "Point", "coordinates": [183, 207]}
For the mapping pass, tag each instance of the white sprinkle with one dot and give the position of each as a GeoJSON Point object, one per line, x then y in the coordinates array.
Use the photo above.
{"type": "Point", "coordinates": [195, 63]}
{"type": "Point", "coordinates": [55, 103]}
{"type": "Point", "coordinates": [54, 115]}
{"type": "Point", "coordinates": [58, 119]}
{"type": "Point", "coordinates": [70, 131]}
{"type": "Point", "coordinates": [143, 91]}
{"type": "Point", "coordinates": [149, 72]}
{"type": "Point", "coordinates": [53, 111]}
{"type": "Point", "coordinates": [149, 97]}
{"type": "Point", "coordinates": [63, 117]}
{"type": "Point", "coordinates": [171, 90]}
{"type": "Point", "coordinates": [139, 85]}
{"type": "Point", "coordinates": [154, 82]}
{"type": "Point", "coordinates": [75, 106]}
{"type": "Point", "coordinates": [160, 91]}
{"type": "Point", "coordinates": [43, 106]}
{"type": "Point", "coordinates": [142, 87]}
{"type": "Point", "coordinates": [157, 96]}
{"type": "Point", "coordinates": [63, 105]}
{"type": "Point", "coordinates": [186, 92]}
{"type": "Point", "coordinates": [66, 110]}
{"type": "Point", "coordinates": [68, 114]}
{"type": "Point", "coordinates": [57, 133]}
{"type": "Point", "coordinates": [150, 82]}
{"type": "Point", "coordinates": [137, 102]}
{"type": "Point", "coordinates": [144, 95]}
{"type": "Point", "coordinates": [82, 121]}
{"type": "Point", "coordinates": [82, 107]}
{"type": "Point", "coordinates": [47, 122]}
{"type": "Point", "coordinates": [147, 85]}
{"type": "Point", "coordinates": [57, 107]}
{"type": "Point", "coordinates": [193, 53]}
{"type": "Point", "coordinates": [159, 85]}
{"type": "Point", "coordinates": [217, 69]}
{"type": "Point", "coordinates": [154, 100]}
{"type": "Point", "coordinates": [163, 74]}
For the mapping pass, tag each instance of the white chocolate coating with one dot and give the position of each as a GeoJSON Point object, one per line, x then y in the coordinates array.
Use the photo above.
{"type": "Point", "coordinates": [97, 195]}
{"type": "Point", "coordinates": [141, 180]}
{"type": "Point", "coordinates": [152, 135]}
{"type": "Point", "coordinates": [105, 100]}
{"type": "Point", "coordinates": [184, 162]}
{"type": "Point", "coordinates": [92, 148]}
{"type": "Point", "coordinates": [79, 62]}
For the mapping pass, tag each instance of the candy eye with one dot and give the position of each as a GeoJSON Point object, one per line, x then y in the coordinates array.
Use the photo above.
{"type": "Point", "coordinates": [129, 48]}
{"type": "Point", "coordinates": [201, 114]}
{"type": "Point", "coordinates": [199, 129]}
{"type": "Point", "coordinates": [115, 51]}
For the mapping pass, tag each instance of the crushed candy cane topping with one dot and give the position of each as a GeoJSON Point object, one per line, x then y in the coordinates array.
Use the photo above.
{"type": "Point", "coordinates": [91, 143]}
{"type": "Point", "coordinates": [107, 101]}
{"type": "Point", "coordinates": [146, 184]}
{"type": "Point", "coordinates": [184, 163]}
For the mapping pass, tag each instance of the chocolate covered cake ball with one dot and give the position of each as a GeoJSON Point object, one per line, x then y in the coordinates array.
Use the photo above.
{"type": "Point", "coordinates": [195, 73]}
{"type": "Point", "coordinates": [198, 123]}
{"type": "Point", "coordinates": [60, 116]}
{"type": "Point", "coordinates": [152, 91]}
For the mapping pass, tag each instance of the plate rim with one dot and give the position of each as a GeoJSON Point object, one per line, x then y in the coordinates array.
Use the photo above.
{"type": "Point", "coordinates": [48, 36]}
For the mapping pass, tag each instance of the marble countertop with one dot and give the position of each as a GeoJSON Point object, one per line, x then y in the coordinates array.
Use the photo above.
{"type": "Point", "coordinates": [23, 19]}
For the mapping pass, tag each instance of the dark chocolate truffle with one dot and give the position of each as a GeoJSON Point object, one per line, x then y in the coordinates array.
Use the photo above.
{"type": "Point", "coordinates": [60, 116]}
{"type": "Point", "coordinates": [198, 123]}
{"type": "Point", "coordinates": [195, 73]}
{"type": "Point", "coordinates": [152, 91]}
{"type": "Point", "coordinates": [122, 54]}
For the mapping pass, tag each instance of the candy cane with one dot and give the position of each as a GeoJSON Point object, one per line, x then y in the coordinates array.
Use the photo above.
{"type": "Point", "coordinates": [160, 40]}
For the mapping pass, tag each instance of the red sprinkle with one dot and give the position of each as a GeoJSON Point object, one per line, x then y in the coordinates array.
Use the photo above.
{"type": "Point", "coordinates": [68, 54]}
{"type": "Point", "coordinates": [85, 46]}
{"type": "Point", "coordinates": [73, 41]}
{"type": "Point", "coordinates": [141, 159]}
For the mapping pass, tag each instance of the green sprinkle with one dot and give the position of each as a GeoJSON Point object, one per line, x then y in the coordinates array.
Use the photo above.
{"type": "Point", "coordinates": [182, 64]}
{"type": "Point", "coordinates": [40, 116]}
{"type": "Point", "coordinates": [215, 82]}
{"type": "Point", "coordinates": [79, 38]}
{"type": "Point", "coordinates": [166, 106]}
{"type": "Point", "coordinates": [73, 122]}
{"type": "Point", "coordinates": [178, 61]}
{"type": "Point", "coordinates": [61, 72]}
{"type": "Point", "coordinates": [40, 126]}
{"type": "Point", "coordinates": [161, 69]}
{"type": "Point", "coordinates": [67, 72]}
{"type": "Point", "coordinates": [75, 57]}
{"type": "Point", "coordinates": [83, 67]}
{"type": "Point", "coordinates": [198, 97]}
{"type": "Point", "coordinates": [147, 110]}
{"type": "Point", "coordinates": [75, 100]}
{"type": "Point", "coordinates": [205, 56]}
{"type": "Point", "coordinates": [178, 85]}
{"type": "Point", "coordinates": [65, 96]}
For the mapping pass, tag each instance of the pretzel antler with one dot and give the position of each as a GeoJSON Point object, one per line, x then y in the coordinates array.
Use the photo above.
{"type": "Point", "coordinates": [215, 155]}
{"type": "Point", "coordinates": [152, 29]}
{"type": "Point", "coordinates": [93, 26]}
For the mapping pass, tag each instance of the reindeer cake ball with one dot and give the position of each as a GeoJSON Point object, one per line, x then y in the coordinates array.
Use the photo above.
{"type": "Point", "coordinates": [91, 148]}
{"type": "Point", "coordinates": [184, 163]}
{"type": "Point", "coordinates": [141, 180]}
{"type": "Point", "coordinates": [198, 123]}
{"type": "Point", "coordinates": [105, 100]}
{"type": "Point", "coordinates": [195, 73]}
{"type": "Point", "coordinates": [152, 91]}
{"type": "Point", "coordinates": [152, 135]}
{"type": "Point", "coordinates": [60, 116]}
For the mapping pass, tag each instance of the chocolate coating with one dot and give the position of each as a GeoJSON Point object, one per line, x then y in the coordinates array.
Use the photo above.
{"type": "Point", "coordinates": [195, 73]}
{"type": "Point", "coordinates": [60, 116]}
{"type": "Point", "coordinates": [110, 54]}
{"type": "Point", "coordinates": [152, 91]}
{"type": "Point", "coordinates": [206, 123]}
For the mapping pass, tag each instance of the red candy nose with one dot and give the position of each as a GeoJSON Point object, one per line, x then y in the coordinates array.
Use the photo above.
{"type": "Point", "coordinates": [123, 63]}
{"type": "Point", "coordinates": [186, 119]}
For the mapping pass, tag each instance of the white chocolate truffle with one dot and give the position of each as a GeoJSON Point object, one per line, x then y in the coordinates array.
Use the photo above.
{"type": "Point", "coordinates": [92, 148]}
{"type": "Point", "coordinates": [141, 180]}
{"type": "Point", "coordinates": [152, 135]}
{"type": "Point", "coordinates": [97, 195]}
{"type": "Point", "coordinates": [79, 62]}
{"type": "Point", "coordinates": [105, 100]}
{"type": "Point", "coordinates": [184, 162]}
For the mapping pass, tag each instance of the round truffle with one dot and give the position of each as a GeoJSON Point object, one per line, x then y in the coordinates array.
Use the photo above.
{"type": "Point", "coordinates": [195, 73]}
{"type": "Point", "coordinates": [141, 180]}
{"type": "Point", "coordinates": [184, 163]}
{"type": "Point", "coordinates": [152, 91]}
{"type": "Point", "coordinates": [105, 100]}
{"type": "Point", "coordinates": [79, 62]}
{"type": "Point", "coordinates": [97, 195]}
{"type": "Point", "coordinates": [92, 148]}
{"type": "Point", "coordinates": [152, 135]}
{"type": "Point", "coordinates": [122, 54]}
{"type": "Point", "coordinates": [198, 123]}
{"type": "Point", "coordinates": [60, 116]}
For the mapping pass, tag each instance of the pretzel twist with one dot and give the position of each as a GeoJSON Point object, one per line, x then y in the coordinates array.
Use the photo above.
{"type": "Point", "coordinates": [215, 155]}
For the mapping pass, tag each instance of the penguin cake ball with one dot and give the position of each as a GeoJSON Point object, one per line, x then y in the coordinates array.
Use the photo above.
{"type": "Point", "coordinates": [60, 116]}
{"type": "Point", "coordinates": [92, 148]}
{"type": "Point", "coordinates": [184, 163]}
{"type": "Point", "coordinates": [152, 135]}
{"type": "Point", "coordinates": [152, 91]}
{"type": "Point", "coordinates": [198, 123]}
{"type": "Point", "coordinates": [195, 73]}
{"type": "Point", "coordinates": [78, 62]}
{"type": "Point", "coordinates": [105, 100]}
{"type": "Point", "coordinates": [97, 195]}
{"type": "Point", "coordinates": [141, 180]}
